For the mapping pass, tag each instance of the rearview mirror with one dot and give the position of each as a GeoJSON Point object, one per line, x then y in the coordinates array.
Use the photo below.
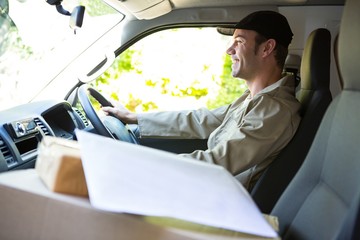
{"type": "Point", "coordinates": [76, 18]}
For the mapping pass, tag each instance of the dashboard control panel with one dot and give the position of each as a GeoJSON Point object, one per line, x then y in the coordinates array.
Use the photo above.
{"type": "Point", "coordinates": [23, 128]}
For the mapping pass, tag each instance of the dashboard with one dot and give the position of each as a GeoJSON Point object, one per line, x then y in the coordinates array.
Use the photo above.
{"type": "Point", "coordinates": [22, 128]}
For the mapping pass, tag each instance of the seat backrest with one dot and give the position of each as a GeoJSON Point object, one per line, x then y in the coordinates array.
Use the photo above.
{"type": "Point", "coordinates": [314, 95]}
{"type": "Point", "coordinates": [322, 201]}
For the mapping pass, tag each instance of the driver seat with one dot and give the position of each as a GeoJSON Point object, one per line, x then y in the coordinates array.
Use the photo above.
{"type": "Point", "coordinates": [315, 96]}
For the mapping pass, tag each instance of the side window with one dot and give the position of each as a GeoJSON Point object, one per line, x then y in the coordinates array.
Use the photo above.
{"type": "Point", "coordinates": [184, 68]}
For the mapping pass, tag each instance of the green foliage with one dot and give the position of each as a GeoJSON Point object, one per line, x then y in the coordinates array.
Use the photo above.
{"type": "Point", "coordinates": [114, 96]}
{"type": "Point", "coordinates": [122, 64]}
{"type": "Point", "coordinates": [149, 106]}
{"type": "Point", "coordinates": [95, 103]}
{"type": "Point", "coordinates": [125, 62]}
{"type": "Point", "coordinates": [128, 67]}
{"type": "Point", "coordinates": [4, 7]}
{"type": "Point", "coordinates": [96, 7]}
{"type": "Point", "coordinates": [133, 103]}
{"type": "Point", "coordinates": [10, 40]}
{"type": "Point", "coordinates": [150, 83]}
{"type": "Point", "coordinates": [190, 91]}
{"type": "Point", "coordinates": [230, 88]}
{"type": "Point", "coordinates": [164, 85]}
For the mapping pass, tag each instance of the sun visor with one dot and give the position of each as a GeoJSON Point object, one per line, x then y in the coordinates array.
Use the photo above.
{"type": "Point", "coordinates": [226, 31]}
{"type": "Point", "coordinates": [146, 9]}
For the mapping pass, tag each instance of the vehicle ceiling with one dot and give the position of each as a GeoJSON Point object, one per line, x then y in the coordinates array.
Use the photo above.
{"type": "Point", "coordinates": [215, 3]}
{"type": "Point", "coordinates": [153, 8]}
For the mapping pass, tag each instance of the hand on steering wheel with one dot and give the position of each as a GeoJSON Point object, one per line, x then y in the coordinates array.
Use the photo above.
{"type": "Point", "coordinates": [109, 126]}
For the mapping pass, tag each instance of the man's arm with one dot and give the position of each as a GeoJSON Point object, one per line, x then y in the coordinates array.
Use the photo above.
{"type": "Point", "coordinates": [171, 124]}
{"type": "Point", "coordinates": [196, 124]}
{"type": "Point", "coordinates": [246, 142]}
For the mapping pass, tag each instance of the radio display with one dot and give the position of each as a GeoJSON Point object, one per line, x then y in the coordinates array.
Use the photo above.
{"type": "Point", "coordinates": [24, 127]}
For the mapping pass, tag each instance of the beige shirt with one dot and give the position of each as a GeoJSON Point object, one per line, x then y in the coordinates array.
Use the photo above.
{"type": "Point", "coordinates": [243, 137]}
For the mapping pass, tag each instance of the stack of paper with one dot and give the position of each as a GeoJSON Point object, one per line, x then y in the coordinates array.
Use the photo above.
{"type": "Point", "coordinates": [123, 177]}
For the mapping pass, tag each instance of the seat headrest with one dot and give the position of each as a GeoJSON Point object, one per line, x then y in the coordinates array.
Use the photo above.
{"type": "Point", "coordinates": [292, 61]}
{"type": "Point", "coordinates": [292, 66]}
{"type": "Point", "coordinates": [315, 62]}
{"type": "Point", "coordinates": [349, 50]}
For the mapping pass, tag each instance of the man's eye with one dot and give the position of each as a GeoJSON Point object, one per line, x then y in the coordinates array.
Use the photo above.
{"type": "Point", "coordinates": [239, 41]}
{"type": "Point", "coordinates": [236, 42]}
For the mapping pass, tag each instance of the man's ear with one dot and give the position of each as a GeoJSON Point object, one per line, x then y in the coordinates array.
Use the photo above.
{"type": "Point", "coordinates": [269, 47]}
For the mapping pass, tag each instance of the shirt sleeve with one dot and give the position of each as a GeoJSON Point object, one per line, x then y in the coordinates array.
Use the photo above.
{"type": "Point", "coordinates": [265, 129]}
{"type": "Point", "coordinates": [181, 124]}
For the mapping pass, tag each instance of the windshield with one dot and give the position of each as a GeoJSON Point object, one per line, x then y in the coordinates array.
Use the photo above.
{"type": "Point", "coordinates": [37, 44]}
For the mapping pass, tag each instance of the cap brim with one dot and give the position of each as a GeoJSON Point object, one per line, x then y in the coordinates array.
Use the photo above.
{"type": "Point", "coordinates": [226, 31]}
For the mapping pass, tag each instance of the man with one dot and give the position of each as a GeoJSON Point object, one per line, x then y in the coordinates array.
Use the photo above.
{"type": "Point", "coordinates": [245, 136]}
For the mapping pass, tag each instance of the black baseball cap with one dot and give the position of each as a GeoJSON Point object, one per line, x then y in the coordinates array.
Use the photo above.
{"type": "Point", "coordinates": [270, 24]}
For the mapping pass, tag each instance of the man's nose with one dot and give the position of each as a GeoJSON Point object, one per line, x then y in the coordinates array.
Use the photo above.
{"type": "Point", "coordinates": [230, 50]}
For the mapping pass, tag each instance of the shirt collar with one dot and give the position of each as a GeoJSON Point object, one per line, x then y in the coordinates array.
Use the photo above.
{"type": "Point", "coordinates": [286, 81]}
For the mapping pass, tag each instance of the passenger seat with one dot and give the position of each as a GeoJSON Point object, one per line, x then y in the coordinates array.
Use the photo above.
{"type": "Point", "coordinates": [323, 200]}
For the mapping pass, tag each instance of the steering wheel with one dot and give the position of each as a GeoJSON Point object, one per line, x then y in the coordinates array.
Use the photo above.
{"type": "Point", "coordinates": [109, 126]}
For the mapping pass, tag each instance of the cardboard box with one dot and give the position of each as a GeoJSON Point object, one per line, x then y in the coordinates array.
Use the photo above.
{"type": "Point", "coordinates": [29, 210]}
{"type": "Point", "coordinates": [31, 200]}
{"type": "Point", "coordinates": [59, 166]}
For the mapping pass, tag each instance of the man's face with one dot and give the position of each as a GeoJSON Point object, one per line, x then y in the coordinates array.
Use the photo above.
{"type": "Point", "coordinates": [243, 55]}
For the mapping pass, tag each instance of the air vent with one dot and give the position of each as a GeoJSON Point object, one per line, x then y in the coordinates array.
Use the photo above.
{"type": "Point", "coordinates": [83, 118]}
{"type": "Point", "coordinates": [42, 126]}
{"type": "Point", "coordinates": [9, 159]}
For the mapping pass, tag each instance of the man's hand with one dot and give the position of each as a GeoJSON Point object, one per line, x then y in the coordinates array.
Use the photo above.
{"type": "Point", "coordinates": [120, 112]}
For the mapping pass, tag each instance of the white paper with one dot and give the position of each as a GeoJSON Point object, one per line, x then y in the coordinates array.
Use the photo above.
{"type": "Point", "coordinates": [124, 177]}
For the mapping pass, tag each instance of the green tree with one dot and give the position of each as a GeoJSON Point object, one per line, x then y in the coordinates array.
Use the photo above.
{"type": "Point", "coordinates": [10, 40]}
{"type": "Point", "coordinates": [230, 88]}
{"type": "Point", "coordinates": [96, 7]}
{"type": "Point", "coordinates": [129, 67]}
